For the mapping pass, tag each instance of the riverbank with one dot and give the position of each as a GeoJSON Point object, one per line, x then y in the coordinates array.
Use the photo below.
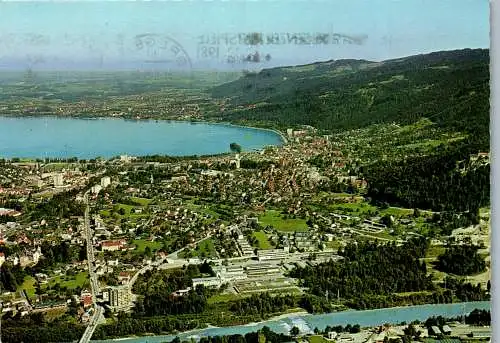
{"type": "Point", "coordinates": [307, 322]}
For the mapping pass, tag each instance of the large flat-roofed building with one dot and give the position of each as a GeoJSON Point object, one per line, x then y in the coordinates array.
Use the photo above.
{"type": "Point", "coordinates": [272, 254]}
{"type": "Point", "coordinates": [119, 298]}
{"type": "Point", "coordinates": [213, 281]}
{"type": "Point", "coordinates": [230, 273]}
{"type": "Point", "coordinates": [262, 269]}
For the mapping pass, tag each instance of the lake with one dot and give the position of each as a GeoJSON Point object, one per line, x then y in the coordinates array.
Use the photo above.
{"type": "Point", "coordinates": [40, 137]}
{"type": "Point", "coordinates": [307, 323]}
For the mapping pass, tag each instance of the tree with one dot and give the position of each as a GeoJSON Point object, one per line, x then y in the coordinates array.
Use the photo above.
{"type": "Point", "coordinates": [147, 252]}
{"type": "Point", "coordinates": [235, 147]}
{"type": "Point", "coordinates": [294, 331]}
{"type": "Point", "coordinates": [416, 212]}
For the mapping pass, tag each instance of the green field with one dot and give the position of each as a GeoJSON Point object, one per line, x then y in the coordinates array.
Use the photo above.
{"type": "Point", "coordinates": [262, 239]}
{"type": "Point", "coordinates": [29, 286]}
{"type": "Point", "coordinates": [142, 244]}
{"type": "Point", "coordinates": [435, 251]}
{"type": "Point", "coordinates": [397, 211]}
{"type": "Point", "coordinates": [317, 339]}
{"type": "Point", "coordinates": [141, 201]}
{"type": "Point", "coordinates": [79, 280]}
{"type": "Point", "coordinates": [274, 219]}
{"type": "Point", "coordinates": [206, 248]}
{"type": "Point", "coordinates": [129, 211]}
{"type": "Point", "coordinates": [223, 298]}
{"type": "Point", "coordinates": [354, 208]}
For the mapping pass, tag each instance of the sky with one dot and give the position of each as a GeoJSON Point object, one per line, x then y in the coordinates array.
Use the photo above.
{"type": "Point", "coordinates": [180, 34]}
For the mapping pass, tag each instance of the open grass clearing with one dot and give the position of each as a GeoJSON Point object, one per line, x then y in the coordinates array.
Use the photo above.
{"type": "Point", "coordinates": [317, 339]}
{"type": "Point", "coordinates": [206, 248]}
{"type": "Point", "coordinates": [71, 282]}
{"type": "Point", "coordinates": [263, 241]}
{"type": "Point", "coordinates": [276, 220]}
{"type": "Point", "coordinates": [397, 211]}
{"type": "Point", "coordinates": [354, 208]}
{"type": "Point", "coordinates": [143, 243]}
{"type": "Point", "coordinates": [224, 298]}
{"type": "Point", "coordinates": [435, 251]}
{"type": "Point", "coordinates": [28, 285]}
{"type": "Point", "coordinates": [141, 201]}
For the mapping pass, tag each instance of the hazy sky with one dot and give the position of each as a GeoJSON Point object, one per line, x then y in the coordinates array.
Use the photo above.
{"type": "Point", "coordinates": [103, 34]}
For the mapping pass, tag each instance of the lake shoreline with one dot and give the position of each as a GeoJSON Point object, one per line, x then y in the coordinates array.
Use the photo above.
{"type": "Point", "coordinates": [162, 137]}
{"type": "Point", "coordinates": [276, 131]}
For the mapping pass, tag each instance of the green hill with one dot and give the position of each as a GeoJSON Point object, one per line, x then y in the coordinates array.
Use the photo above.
{"type": "Point", "coordinates": [450, 87]}
{"type": "Point", "coordinates": [440, 102]}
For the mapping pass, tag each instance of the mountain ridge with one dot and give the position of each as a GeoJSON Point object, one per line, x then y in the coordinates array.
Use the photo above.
{"type": "Point", "coordinates": [451, 87]}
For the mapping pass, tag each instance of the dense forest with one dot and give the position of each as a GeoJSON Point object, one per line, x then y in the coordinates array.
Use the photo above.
{"type": "Point", "coordinates": [60, 205]}
{"type": "Point", "coordinates": [461, 260]}
{"type": "Point", "coordinates": [450, 87]}
{"type": "Point", "coordinates": [35, 328]}
{"type": "Point", "coordinates": [370, 268]}
{"type": "Point", "coordinates": [432, 182]}
{"type": "Point", "coordinates": [156, 288]}
{"type": "Point", "coordinates": [375, 275]}
{"type": "Point", "coordinates": [261, 336]}
{"type": "Point", "coordinates": [11, 277]}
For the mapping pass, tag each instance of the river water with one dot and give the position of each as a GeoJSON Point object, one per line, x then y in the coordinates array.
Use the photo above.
{"type": "Point", "coordinates": [40, 137]}
{"type": "Point", "coordinates": [307, 323]}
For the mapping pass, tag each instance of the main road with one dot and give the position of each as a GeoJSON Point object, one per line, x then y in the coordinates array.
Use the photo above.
{"type": "Point", "coordinates": [94, 283]}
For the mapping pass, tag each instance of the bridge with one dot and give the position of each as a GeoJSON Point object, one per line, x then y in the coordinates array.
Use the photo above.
{"type": "Point", "coordinates": [94, 321]}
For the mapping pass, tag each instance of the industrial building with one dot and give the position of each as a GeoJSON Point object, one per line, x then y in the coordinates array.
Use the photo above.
{"type": "Point", "coordinates": [213, 281]}
{"type": "Point", "coordinates": [272, 254]}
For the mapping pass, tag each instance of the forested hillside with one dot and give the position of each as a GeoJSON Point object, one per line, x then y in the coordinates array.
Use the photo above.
{"type": "Point", "coordinates": [450, 87]}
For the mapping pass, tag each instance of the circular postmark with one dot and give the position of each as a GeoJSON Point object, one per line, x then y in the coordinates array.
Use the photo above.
{"type": "Point", "coordinates": [161, 52]}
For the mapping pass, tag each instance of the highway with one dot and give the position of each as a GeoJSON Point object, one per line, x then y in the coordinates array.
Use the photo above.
{"type": "Point", "coordinates": [94, 283]}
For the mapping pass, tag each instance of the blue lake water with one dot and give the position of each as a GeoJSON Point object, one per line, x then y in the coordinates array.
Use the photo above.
{"type": "Point", "coordinates": [39, 137]}
{"type": "Point", "coordinates": [307, 323]}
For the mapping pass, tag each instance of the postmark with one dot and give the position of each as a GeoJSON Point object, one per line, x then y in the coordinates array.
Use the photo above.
{"type": "Point", "coordinates": [162, 52]}
{"type": "Point", "coordinates": [256, 47]}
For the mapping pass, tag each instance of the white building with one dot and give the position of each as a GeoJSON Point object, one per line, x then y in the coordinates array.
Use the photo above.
{"type": "Point", "coordinates": [272, 254]}
{"type": "Point", "coordinates": [238, 159]}
{"type": "Point", "coordinates": [58, 180]}
{"type": "Point", "coordinates": [119, 297]}
{"type": "Point", "coordinates": [105, 181]}
{"type": "Point", "coordinates": [96, 189]}
{"type": "Point", "coordinates": [207, 282]}
{"type": "Point", "coordinates": [230, 273]}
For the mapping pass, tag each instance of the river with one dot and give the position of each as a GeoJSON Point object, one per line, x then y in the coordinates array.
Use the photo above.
{"type": "Point", "coordinates": [40, 137]}
{"type": "Point", "coordinates": [307, 323]}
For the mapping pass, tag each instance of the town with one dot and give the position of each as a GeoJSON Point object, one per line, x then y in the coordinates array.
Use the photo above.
{"type": "Point", "coordinates": [82, 239]}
